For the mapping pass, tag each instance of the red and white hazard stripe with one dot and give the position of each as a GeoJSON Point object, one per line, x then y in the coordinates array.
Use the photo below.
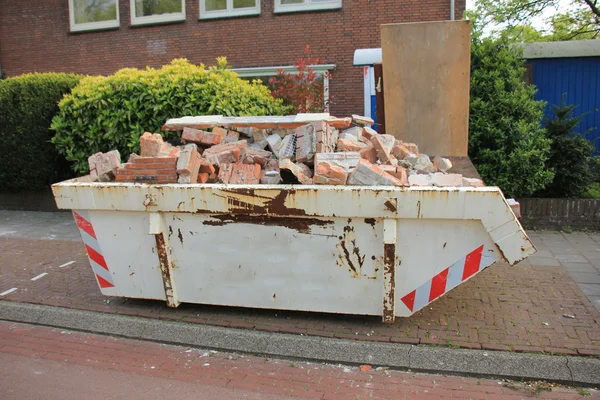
{"type": "Point", "coordinates": [92, 247]}
{"type": "Point", "coordinates": [449, 278]}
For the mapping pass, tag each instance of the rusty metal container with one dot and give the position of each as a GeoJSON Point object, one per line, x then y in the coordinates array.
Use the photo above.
{"type": "Point", "coordinates": [354, 250]}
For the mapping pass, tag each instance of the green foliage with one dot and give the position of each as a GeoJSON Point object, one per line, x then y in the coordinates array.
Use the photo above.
{"type": "Point", "coordinates": [28, 103]}
{"type": "Point", "coordinates": [591, 192]}
{"type": "Point", "coordinates": [507, 143]}
{"type": "Point", "coordinates": [570, 154]}
{"type": "Point", "coordinates": [513, 19]}
{"type": "Point", "coordinates": [105, 113]}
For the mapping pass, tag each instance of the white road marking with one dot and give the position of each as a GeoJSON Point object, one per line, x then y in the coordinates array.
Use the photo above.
{"type": "Point", "coordinates": [66, 264]}
{"type": "Point", "coordinates": [9, 291]}
{"type": "Point", "coordinates": [35, 278]}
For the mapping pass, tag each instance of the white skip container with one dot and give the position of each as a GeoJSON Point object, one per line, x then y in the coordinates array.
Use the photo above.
{"type": "Point", "coordinates": [338, 249]}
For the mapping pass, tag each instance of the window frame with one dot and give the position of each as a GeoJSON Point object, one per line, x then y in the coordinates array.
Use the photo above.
{"type": "Point", "coordinates": [307, 5]}
{"type": "Point", "coordinates": [156, 19]}
{"type": "Point", "coordinates": [92, 26]}
{"type": "Point", "coordinates": [229, 12]}
{"type": "Point", "coordinates": [320, 69]}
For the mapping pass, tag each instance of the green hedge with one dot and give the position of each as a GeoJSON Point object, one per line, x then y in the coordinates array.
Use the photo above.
{"type": "Point", "coordinates": [27, 104]}
{"type": "Point", "coordinates": [105, 113]}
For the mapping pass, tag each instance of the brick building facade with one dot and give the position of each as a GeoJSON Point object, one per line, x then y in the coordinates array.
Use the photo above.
{"type": "Point", "coordinates": [39, 36]}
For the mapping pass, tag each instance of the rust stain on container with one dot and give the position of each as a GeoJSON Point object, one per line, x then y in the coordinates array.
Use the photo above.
{"type": "Point", "coordinates": [163, 259]}
{"type": "Point", "coordinates": [349, 254]}
{"type": "Point", "coordinates": [370, 221]}
{"type": "Point", "coordinates": [389, 279]}
{"type": "Point", "coordinates": [302, 225]}
{"type": "Point", "coordinates": [390, 206]}
{"type": "Point", "coordinates": [247, 201]}
{"type": "Point", "coordinates": [180, 236]}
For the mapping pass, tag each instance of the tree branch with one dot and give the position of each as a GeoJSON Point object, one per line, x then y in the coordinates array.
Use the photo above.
{"type": "Point", "coordinates": [593, 7]}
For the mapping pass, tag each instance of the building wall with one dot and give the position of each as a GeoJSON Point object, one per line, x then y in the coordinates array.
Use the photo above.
{"type": "Point", "coordinates": [578, 78]}
{"type": "Point", "coordinates": [34, 36]}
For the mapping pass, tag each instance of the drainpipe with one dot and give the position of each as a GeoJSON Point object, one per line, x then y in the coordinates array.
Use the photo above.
{"type": "Point", "coordinates": [452, 10]}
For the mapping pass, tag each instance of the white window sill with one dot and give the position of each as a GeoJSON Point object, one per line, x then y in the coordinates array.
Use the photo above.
{"type": "Point", "coordinates": [95, 26]}
{"type": "Point", "coordinates": [228, 14]}
{"type": "Point", "coordinates": [157, 20]}
{"type": "Point", "coordinates": [282, 9]}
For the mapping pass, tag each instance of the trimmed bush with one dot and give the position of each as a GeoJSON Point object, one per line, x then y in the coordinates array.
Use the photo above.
{"type": "Point", "coordinates": [28, 103]}
{"type": "Point", "coordinates": [507, 142]}
{"type": "Point", "coordinates": [106, 113]}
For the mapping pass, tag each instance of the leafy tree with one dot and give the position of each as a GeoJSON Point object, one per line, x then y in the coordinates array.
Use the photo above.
{"type": "Point", "coordinates": [581, 20]}
{"type": "Point", "coordinates": [302, 91]}
{"type": "Point", "coordinates": [507, 143]}
{"type": "Point", "coordinates": [570, 154]}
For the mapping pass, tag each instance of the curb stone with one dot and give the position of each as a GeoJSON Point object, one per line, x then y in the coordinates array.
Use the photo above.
{"type": "Point", "coordinates": [564, 369]}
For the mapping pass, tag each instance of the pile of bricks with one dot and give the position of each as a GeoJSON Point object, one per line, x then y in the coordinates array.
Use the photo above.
{"type": "Point", "coordinates": [314, 153]}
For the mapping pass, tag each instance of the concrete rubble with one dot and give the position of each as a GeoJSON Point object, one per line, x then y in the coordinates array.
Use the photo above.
{"type": "Point", "coordinates": [334, 151]}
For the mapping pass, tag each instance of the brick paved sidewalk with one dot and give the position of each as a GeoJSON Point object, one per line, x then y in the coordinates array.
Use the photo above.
{"type": "Point", "coordinates": [519, 308]}
{"type": "Point", "coordinates": [257, 374]}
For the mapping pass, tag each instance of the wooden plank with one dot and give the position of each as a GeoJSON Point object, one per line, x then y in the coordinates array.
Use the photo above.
{"type": "Point", "coordinates": [426, 83]}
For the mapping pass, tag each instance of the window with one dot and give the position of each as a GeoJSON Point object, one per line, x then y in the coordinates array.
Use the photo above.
{"type": "Point", "coordinates": [282, 6]}
{"type": "Point", "coordinates": [153, 11]}
{"type": "Point", "coordinates": [264, 73]}
{"type": "Point", "coordinates": [87, 15]}
{"type": "Point", "coordinates": [228, 8]}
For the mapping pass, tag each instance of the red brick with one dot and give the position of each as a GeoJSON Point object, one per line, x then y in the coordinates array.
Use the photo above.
{"type": "Point", "coordinates": [203, 177]}
{"type": "Point", "coordinates": [150, 144]}
{"type": "Point", "coordinates": [369, 153]}
{"type": "Point", "coordinates": [256, 156]}
{"type": "Point", "coordinates": [369, 174]}
{"type": "Point", "coordinates": [220, 132]}
{"type": "Point", "coordinates": [383, 145]}
{"type": "Point", "coordinates": [148, 160]}
{"type": "Point", "coordinates": [349, 145]}
{"type": "Point", "coordinates": [206, 167]}
{"type": "Point", "coordinates": [201, 138]}
{"type": "Point", "coordinates": [400, 151]}
{"type": "Point", "coordinates": [329, 174]}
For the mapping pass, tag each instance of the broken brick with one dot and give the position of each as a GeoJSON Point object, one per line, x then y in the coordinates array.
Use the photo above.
{"type": "Point", "coordinates": [349, 145]}
{"type": "Point", "coordinates": [292, 173]}
{"type": "Point", "coordinates": [274, 142]}
{"type": "Point", "coordinates": [306, 143]}
{"type": "Point", "coordinates": [232, 136]}
{"type": "Point", "coordinates": [361, 120]}
{"type": "Point", "coordinates": [225, 153]}
{"type": "Point", "coordinates": [201, 138]}
{"type": "Point", "coordinates": [255, 156]}
{"type": "Point", "coordinates": [412, 148]}
{"type": "Point", "coordinates": [442, 164]}
{"type": "Point", "coordinates": [515, 207]}
{"type": "Point", "coordinates": [369, 153]}
{"type": "Point", "coordinates": [398, 172]}
{"type": "Point", "coordinates": [150, 144]}
{"type": "Point", "coordinates": [306, 169]}
{"type": "Point", "coordinates": [354, 133]}
{"type": "Point", "coordinates": [325, 137]}
{"type": "Point", "coordinates": [327, 173]}
{"type": "Point", "coordinates": [287, 149]}
{"type": "Point", "coordinates": [271, 179]}
{"type": "Point", "coordinates": [239, 173]}
{"type": "Point", "coordinates": [383, 145]}
{"type": "Point", "coordinates": [346, 160]}
{"type": "Point", "coordinates": [203, 177]}
{"type": "Point", "coordinates": [400, 151]}
{"type": "Point", "coordinates": [206, 167]}
{"type": "Point", "coordinates": [367, 174]}
{"type": "Point", "coordinates": [368, 133]}
{"type": "Point", "coordinates": [188, 164]}
{"type": "Point", "coordinates": [221, 132]}
{"type": "Point", "coordinates": [103, 166]}
{"type": "Point", "coordinates": [259, 134]}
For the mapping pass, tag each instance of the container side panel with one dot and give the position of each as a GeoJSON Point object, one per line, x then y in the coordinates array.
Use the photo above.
{"type": "Point", "coordinates": [436, 256]}
{"type": "Point", "coordinates": [313, 264]}
{"type": "Point", "coordinates": [130, 252]}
